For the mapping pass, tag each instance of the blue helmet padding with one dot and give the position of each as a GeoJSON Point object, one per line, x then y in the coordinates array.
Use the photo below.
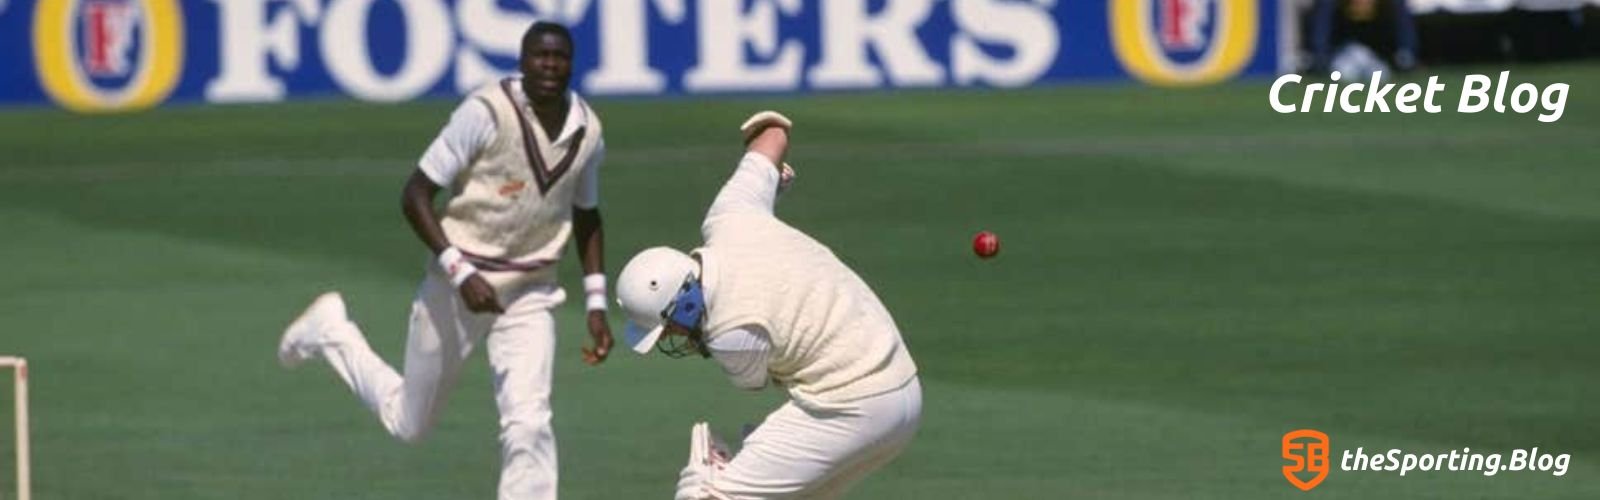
{"type": "Point", "coordinates": [688, 309]}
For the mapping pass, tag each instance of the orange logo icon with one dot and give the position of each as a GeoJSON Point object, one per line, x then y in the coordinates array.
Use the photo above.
{"type": "Point", "coordinates": [511, 188]}
{"type": "Point", "coordinates": [1313, 459]}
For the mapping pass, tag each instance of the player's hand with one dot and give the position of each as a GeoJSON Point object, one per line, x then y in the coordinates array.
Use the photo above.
{"type": "Point", "coordinates": [479, 296]}
{"type": "Point", "coordinates": [600, 334]}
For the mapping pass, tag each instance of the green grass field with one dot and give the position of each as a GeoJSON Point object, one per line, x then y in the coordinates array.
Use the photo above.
{"type": "Point", "coordinates": [1186, 276]}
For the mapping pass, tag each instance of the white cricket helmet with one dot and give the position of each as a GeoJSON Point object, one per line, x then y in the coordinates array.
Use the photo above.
{"type": "Point", "coordinates": [645, 288]}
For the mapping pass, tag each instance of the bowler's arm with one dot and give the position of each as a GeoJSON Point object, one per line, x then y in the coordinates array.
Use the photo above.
{"type": "Point", "coordinates": [471, 128]}
{"type": "Point", "coordinates": [590, 239]}
{"type": "Point", "coordinates": [469, 131]}
{"type": "Point", "coordinates": [416, 201]}
{"type": "Point", "coordinates": [588, 232]}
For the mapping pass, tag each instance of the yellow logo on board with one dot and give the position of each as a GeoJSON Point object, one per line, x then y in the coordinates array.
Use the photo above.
{"type": "Point", "coordinates": [136, 42]}
{"type": "Point", "coordinates": [1146, 33]}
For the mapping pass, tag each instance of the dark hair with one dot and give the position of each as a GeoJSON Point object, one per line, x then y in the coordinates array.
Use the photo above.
{"type": "Point", "coordinates": [541, 28]}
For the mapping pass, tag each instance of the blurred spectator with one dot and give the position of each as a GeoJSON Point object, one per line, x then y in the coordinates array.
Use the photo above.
{"type": "Point", "coordinates": [1357, 63]}
{"type": "Point", "coordinates": [1383, 25]}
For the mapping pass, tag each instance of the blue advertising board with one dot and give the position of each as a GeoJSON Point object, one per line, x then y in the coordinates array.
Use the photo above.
{"type": "Point", "coordinates": [105, 55]}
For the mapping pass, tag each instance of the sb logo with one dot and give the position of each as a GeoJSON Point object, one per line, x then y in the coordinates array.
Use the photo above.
{"type": "Point", "coordinates": [1307, 451]}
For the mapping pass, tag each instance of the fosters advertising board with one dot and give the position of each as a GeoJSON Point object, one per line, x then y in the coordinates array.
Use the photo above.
{"type": "Point", "coordinates": [107, 55]}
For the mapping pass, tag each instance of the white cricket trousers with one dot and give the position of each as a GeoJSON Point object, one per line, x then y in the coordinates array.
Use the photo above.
{"type": "Point", "coordinates": [812, 454]}
{"type": "Point", "coordinates": [521, 346]}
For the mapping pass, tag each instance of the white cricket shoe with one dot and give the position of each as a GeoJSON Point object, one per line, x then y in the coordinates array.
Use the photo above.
{"type": "Point", "coordinates": [315, 329]}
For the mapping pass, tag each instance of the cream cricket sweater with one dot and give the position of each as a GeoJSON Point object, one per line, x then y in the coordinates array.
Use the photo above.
{"type": "Point", "coordinates": [513, 205]}
{"type": "Point", "coordinates": [832, 339]}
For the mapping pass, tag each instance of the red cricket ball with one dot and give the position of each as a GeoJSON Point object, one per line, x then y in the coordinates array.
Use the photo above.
{"type": "Point", "coordinates": [985, 244]}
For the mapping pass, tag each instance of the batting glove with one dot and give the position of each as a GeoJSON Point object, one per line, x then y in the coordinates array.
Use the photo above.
{"type": "Point", "coordinates": [760, 121]}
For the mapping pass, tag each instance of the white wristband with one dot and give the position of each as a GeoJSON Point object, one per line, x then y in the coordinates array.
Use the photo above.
{"type": "Point", "coordinates": [456, 266]}
{"type": "Point", "coordinates": [594, 289]}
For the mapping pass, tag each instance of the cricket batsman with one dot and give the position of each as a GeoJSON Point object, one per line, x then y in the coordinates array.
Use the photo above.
{"type": "Point", "coordinates": [772, 305]}
{"type": "Point", "coordinates": [520, 158]}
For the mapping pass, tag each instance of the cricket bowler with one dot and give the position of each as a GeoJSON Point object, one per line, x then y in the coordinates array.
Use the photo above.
{"type": "Point", "coordinates": [520, 158]}
{"type": "Point", "coordinates": [772, 305]}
